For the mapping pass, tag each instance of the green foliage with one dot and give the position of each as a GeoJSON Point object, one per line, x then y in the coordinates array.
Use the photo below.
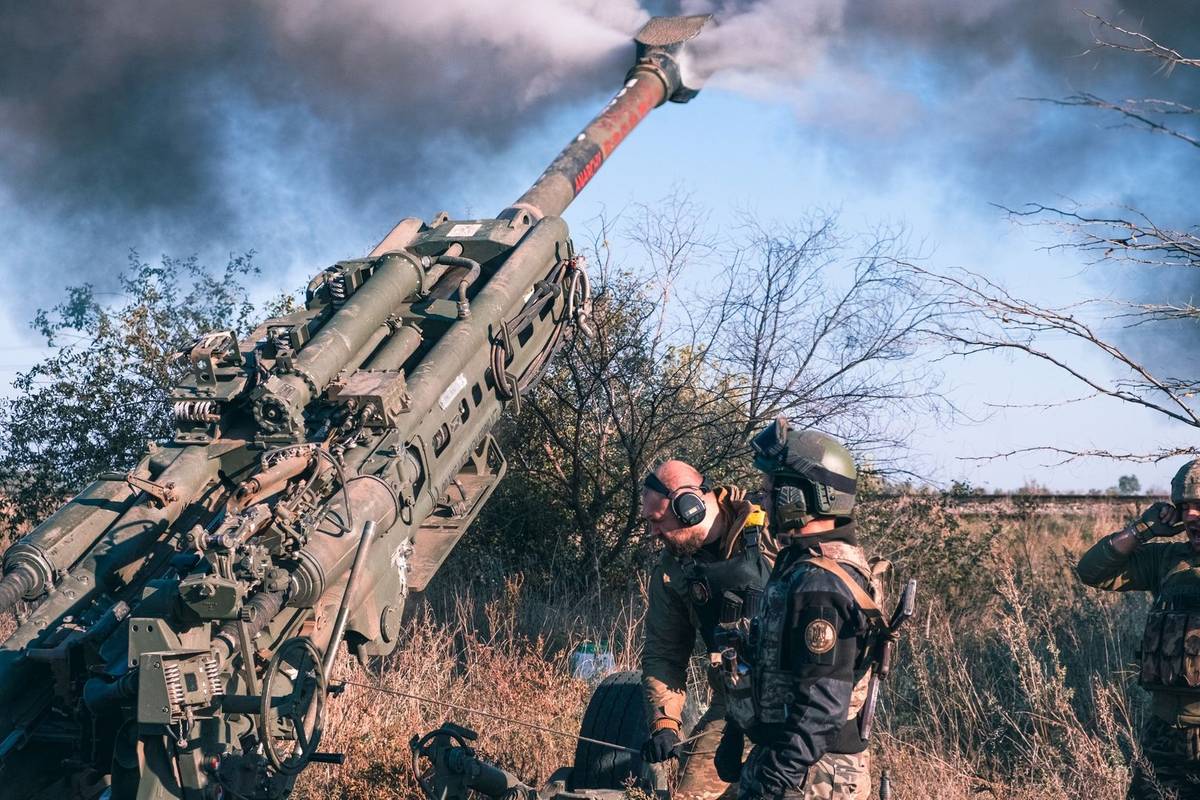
{"type": "Point", "coordinates": [786, 330]}
{"type": "Point", "coordinates": [925, 537]}
{"type": "Point", "coordinates": [92, 404]}
{"type": "Point", "coordinates": [1128, 484]}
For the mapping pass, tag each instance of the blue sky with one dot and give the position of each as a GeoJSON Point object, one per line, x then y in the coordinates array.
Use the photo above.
{"type": "Point", "coordinates": [772, 167]}
{"type": "Point", "coordinates": [909, 132]}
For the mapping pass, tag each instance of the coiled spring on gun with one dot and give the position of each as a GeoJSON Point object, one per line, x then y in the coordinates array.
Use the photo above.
{"type": "Point", "coordinates": [337, 288]}
{"type": "Point", "coordinates": [281, 338]}
{"type": "Point", "coordinates": [197, 410]}
{"type": "Point", "coordinates": [174, 683]}
{"type": "Point", "coordinates": [212, 671]}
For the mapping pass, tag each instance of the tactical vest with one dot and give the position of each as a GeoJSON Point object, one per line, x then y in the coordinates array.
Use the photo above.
{"type": "Point", "coordinates": [772, 686]}
{"type": "Point", "coordinates": [724, 591]}
{"type": "Point", "coordinates": [1170, 651]}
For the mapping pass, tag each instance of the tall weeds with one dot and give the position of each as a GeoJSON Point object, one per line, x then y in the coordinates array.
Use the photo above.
{"type": "Point", "coordinates": [1014, 681]}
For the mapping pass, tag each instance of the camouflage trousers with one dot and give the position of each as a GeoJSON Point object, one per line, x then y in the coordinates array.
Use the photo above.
{"type": "Point", "coordinates": [698, 778]}
{"type": "Point", "coordinates": [1169, 768]}
{"type": "Point", "coordinates": [837, 776]}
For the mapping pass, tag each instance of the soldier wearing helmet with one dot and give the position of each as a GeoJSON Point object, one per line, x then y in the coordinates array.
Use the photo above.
{"type": "Point", "coordinates": [1129, 560]}
{"type": "Point", "coordinates": [798, 698]}
{"type": "Point", "coordinates": [715, 562]}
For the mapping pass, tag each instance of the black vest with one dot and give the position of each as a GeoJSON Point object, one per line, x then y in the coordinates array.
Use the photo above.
{"type": "Point", "coordinates": [726, 590]}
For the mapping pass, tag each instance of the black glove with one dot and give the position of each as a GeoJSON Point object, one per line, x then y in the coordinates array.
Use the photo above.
{"type": "Point", "coordinates": [660, 746]}
{"type": "Point", "coordinates": [1160, 519]}
{"type": "Point", "coordinates": [728, 758]}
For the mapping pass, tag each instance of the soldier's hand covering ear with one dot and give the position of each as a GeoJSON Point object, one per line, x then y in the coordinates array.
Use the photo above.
{"type": "Point", "coordinates": [728, 759]}
{"type": "Point", "coordinates": [660, 746]}
{"type": "Point", "coordinates": [1160, 519]}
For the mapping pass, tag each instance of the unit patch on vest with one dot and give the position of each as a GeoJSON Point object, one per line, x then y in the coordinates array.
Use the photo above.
{"type": "Point", "coordinates": [819, 636]}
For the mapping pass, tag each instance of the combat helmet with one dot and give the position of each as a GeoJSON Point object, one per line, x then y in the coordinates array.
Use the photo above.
{"type": "Point", "coordinates": [813, 474]}
{"type": "Point", "coordinates": [1185, 485]}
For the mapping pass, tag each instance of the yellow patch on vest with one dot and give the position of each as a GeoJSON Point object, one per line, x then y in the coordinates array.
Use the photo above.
{"type": "Point", "coordinates": [820, 637]}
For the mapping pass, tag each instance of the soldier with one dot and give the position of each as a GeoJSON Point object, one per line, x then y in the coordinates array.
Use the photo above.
{"type": "Point", "coordinates": [715, 562]}
{"type": "Point", "coordinates": [1170, 654]}
{"type": "Point", "coordinates": [809, 665]}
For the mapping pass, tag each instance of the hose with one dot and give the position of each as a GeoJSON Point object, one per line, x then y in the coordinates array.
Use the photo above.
{"type": "Point", "coordinates": [18, 582]}
{"type": "Point", "coordinates": [464, 308]}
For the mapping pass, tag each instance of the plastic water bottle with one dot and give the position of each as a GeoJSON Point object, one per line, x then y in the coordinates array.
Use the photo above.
{"type": "Point", "coordinates": [592, 661]}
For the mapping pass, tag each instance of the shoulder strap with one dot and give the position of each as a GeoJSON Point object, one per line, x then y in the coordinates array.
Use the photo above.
{"type": "Point", "coordinates": [847, 554]}
{"type": "Point", "coordinates": [750, 539]}
{"type": "Point", "coordinates": [864, 600]}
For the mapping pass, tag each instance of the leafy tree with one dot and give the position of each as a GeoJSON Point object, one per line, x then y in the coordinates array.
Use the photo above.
{"type": "Point", "coordinates": [1128, 484]}
{"type": "Point", "coordinates": [92, 404]}
{"type": "Point", "coordinates": [800, 321]}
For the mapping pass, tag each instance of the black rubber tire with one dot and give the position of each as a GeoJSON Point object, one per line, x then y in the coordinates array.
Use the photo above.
{"type": "Point", "coordinates": [616, 713]}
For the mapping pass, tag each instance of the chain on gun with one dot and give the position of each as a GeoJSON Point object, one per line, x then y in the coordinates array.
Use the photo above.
{"type": "Point", "coordinates": [179, 621]}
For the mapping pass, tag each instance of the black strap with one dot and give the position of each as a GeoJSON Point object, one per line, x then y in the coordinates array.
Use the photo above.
{"type": "Point", "coordinates": [750, 539]}
{"type": "Point", "coordinates": [819, 474]}
{"type": "Point", "coordinates": [655, 484]}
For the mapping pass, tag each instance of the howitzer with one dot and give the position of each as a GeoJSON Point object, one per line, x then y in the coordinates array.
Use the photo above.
{"type": "Point", "coordinates": [182, 617]}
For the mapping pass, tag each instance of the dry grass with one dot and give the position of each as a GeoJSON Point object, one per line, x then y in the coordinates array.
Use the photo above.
{"type": "Point", "coordinates": [1015, 680]}
{"type": "Point", "coordinates": [1025, 691]}
{"type": "Point", "coordinates": [506, 655]}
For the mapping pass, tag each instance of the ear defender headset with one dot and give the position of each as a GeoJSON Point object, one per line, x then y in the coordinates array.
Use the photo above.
{"type": "Point", "coordinates": [687, 502]}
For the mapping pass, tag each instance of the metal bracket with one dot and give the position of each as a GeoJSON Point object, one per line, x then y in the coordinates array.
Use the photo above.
{"type": "Point", "coordinates": [163, 493]}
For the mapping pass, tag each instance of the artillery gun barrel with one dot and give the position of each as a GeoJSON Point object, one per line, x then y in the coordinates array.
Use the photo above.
{"type": "Point", "coordinates": [658, 76]}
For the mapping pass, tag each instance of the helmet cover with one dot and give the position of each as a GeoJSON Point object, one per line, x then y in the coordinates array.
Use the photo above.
{"type": "Point", "coordinates": [1185, 485]}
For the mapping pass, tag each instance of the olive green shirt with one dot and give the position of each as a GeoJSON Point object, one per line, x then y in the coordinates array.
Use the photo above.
{"type": "Point", "coordinates": [1170, 571]}
{"type": "Point", "coordinates": [671, 625]}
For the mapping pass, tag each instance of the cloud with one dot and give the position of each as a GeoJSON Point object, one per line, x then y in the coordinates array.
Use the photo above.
{"type": "Point", "coordinates": [187, 124]}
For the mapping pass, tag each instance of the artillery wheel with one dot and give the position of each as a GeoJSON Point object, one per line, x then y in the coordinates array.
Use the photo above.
{"type": "Point", "coordinates": [293, 703]}
{"type": "Point", "coordinates": [616, 713]}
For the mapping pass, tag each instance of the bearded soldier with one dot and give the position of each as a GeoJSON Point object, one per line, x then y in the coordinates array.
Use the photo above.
{"type": "Point", "coordinates": [714, 565]}
{"type": "Point", "coordinates": [809, 649]}
{"type": "Point", "coordinates": [1170, 653]}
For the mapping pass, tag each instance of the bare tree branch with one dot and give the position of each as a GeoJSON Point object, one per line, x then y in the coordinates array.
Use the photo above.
{"type": "Point", "coordinates": [1140, 43]}
{"type": "Point", "coordinates": [1137, 112]}
{"type": "Point", "coordinates": [1069, 455]}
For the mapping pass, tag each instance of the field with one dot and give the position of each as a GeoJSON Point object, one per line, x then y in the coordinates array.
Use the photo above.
{"type": "Point", "coordinates": [1014, 682]}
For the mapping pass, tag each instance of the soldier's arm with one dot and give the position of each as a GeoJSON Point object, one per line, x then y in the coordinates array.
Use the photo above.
{"type": "Point", "coordinates": [666, 651]}
{"type": "Point", "coordinates": [1120, 562]}
{"type": "Point", "coordinates": [824, 683]}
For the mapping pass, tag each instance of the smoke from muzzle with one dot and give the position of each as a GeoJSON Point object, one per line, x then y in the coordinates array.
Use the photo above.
{"type": "Point", "coordinates": [183, 126]}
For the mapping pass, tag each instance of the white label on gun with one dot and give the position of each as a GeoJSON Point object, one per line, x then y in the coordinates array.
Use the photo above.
{"type": "Point", "coordinates": [452, 391]}
{"type": "Point", "coordinates": [463, 231]}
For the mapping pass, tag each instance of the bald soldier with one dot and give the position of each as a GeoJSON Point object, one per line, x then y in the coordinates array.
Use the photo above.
{"type": "Point", "coordinates": [715, 562]}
